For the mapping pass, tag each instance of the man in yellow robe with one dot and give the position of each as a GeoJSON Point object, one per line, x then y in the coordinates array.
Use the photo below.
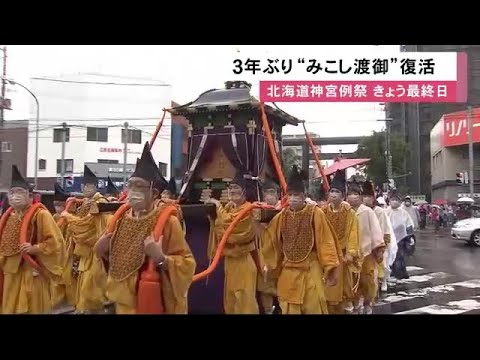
{"type": "Point", "coordinates": [267, 285]}
{"type": "Point", "coordinates": [345, 225]}
{"type": "Point", "coordinates": [127, 248]}
{"type": "Point", "coordinates": [299, 245]}
{"type": "Point", "coordinates": [240, 252]}
{"type": "Point", "coordinates": [372, 247]}
{"type": "Point", "coordinates": [65, 289]}
{"type": "Point", "coordinates": [26, 290]}
{"type": "Point", "coordinates": [383, 220]}
{"type": "Point", "coordinates": [87, 226]}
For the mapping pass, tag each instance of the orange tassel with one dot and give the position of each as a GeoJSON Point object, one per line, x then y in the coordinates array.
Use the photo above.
{"type": "Point", "coordinates": [149, 296]}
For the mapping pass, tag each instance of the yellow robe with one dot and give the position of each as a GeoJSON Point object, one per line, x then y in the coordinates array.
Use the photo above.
{"type": "Point", "coordinates": [300, 286]}
{"type": "Point", "coordinates": [345, 225]}
{"type": "Point", "coordinates": [64, 290]}
{"type": "Point", "coordinates": [240, 268]}
{"type": "Point", "coordinates": [127, 256]}
{"type": "Point", "coordinates": [86, 230]}
{"type": "Point", "coordinates": [24, 290]}
{"type": "Point", "coordinates": [383, 221]}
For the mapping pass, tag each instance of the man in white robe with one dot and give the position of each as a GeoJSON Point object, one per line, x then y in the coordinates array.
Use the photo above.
{"type": "Point", "coordinates": [372, 247]}
{"type": "Point", "coordinates": [402, 224]}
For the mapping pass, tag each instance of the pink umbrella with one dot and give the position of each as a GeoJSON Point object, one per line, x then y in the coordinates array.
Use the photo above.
{"type": "Point", "coordinates": [440, 202]}
{"type": "Point", "coordinates": [342, 164]}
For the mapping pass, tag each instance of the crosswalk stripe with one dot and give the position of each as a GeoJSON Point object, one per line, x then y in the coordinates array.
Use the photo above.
{"type": "Point", "coordinates": [422, 292]}
{"type": "Point", "coordinates": [423, 278]}
{"type": "Point", "coordinates": [414, 268]}
{"type": "Point", "coordinates": [450, 308]}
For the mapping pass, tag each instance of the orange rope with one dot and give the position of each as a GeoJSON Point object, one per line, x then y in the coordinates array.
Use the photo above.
{"type": "Point", "coordinates": [276, 161]}
{"type": "Point", "coordinates": [219, 252]}
{"type": "Point", "coordinates": [325, 184]}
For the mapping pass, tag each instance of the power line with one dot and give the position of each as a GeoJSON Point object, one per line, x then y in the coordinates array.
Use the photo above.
{"type": "Point", "coordinates": [100, 83]}
{"type": "Point", "coordinates": [92, 119]}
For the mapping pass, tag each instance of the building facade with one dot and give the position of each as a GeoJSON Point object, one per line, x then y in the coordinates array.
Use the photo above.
{"type": "Point", "coordinates": [14, 150]}
{"type": "Point", "coordinates": [414, 122]}
{"type": "Point", "coordinates": [95, 114]}
{"type": "Point", "coordinates": [179, 152]}
{"type": "Point", "coordinates": [450, 156]}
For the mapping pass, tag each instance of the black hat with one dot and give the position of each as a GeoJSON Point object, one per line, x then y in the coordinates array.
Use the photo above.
{"type": "Point", "coordinates": [172, 186]}
{"type": "Point", "coordinates": [296, 180]}
{"type": "Point", "coordinates": [368, 189]}
{"type": "Point", "coordinates": [147, 169]}
{"type": "Point", "coordinates": [18, 180]}
{"type": "Point", "coordinates": [339, 181]}
{"type": "Point", "coordinates": [111, 188]}
{"type": "Point", "coordinates": [60, 194]}
{"type": "Point", "coordinates": [89, 177]}
{"type": "Point", "coordinates": [239, 180]}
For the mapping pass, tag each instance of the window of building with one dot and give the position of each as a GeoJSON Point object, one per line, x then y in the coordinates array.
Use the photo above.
{"type": "Point", "coordinates": [163, 168]}
{"type": "Point", "coordinates": [133, 137]}
{"type": "Point", "coordinates": [97, 134]}
{"type": "Point", "coordinates": [57, 135]}
{"type": "Point", "coordinates": [107, 161]}
{"type": "Point", "coordinates": [68, 166]}
{"type": "Point", "coordinates": [42, 164]}
{"type": "Point", "coordinates": [6, 146]}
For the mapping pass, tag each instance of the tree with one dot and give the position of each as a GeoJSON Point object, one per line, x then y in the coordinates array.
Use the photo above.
{"type": "Point", "coordinates": [373, 148]}
{"type": "Point", "coordinates": [290, 158]}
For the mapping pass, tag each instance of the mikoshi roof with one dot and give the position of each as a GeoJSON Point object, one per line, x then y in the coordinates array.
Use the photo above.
{"type": "Point", "coordinates": [235, 96]}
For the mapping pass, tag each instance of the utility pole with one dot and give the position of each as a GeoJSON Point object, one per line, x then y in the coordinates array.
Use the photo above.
{"type": "Point", "coordinates": [2, 110]}
{"type": "Point", "coordinates": [4, 84]}
{"type": "Point", "coordinates": [388, 151]}
{"type": "Point", "coordinates": [62, 167]}
{"type": "Point", "coordinates": [470, 152]}
{"type": "Point", "coordinates": [125, 151]}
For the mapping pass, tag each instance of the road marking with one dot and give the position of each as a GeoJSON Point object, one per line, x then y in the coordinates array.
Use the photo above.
{"type": "Point", "coordinates": [450, 308]}
{"type": "Point", "coordinates": [418, 293]}
{"type": "Point", "coordinates": [414, 268]}
{"type": "Point", "coordinates": [423, 278]}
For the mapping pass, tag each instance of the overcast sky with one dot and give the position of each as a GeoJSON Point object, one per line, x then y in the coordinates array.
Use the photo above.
{"type": "Point", "coordinates": [191, 70]}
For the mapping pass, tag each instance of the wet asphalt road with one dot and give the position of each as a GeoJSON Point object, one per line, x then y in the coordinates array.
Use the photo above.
{"type": "Point", "coordinates": [444, 278]}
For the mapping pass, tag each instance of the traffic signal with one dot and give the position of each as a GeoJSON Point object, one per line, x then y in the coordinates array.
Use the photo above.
{"type": "Point", "coordinates": [460, 179]}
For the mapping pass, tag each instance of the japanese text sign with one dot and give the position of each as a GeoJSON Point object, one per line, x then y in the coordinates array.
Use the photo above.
{"type": "Point", "coordinates": [455, 128]}
{"type": "Point", "coordinates": [400, 77]}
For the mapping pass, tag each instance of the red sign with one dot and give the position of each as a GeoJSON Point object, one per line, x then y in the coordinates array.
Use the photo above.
{"type": "Point", "coordinates": [455, 128]}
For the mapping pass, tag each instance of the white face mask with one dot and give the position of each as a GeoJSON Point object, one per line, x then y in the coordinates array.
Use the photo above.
{"type": "Point", "coordinates": [271, 199]}
{"type": "Point", "coordinates": [135, 198]}
{"type": "Point", "coordinates": [354, 200]}
{"type": "Point", "coordinates": [18, 200]}
{"type": "Point", "coordinates": [394, 204]}
{"type": "Point", "coordinates": [296, 201]}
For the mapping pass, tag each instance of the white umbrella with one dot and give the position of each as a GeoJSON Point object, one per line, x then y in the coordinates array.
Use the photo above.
{"type": "Point", "coordinates": [466, 200]}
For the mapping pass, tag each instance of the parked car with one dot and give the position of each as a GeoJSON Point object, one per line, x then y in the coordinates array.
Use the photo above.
{"type": "Point", "coordinates": [467, 230]}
